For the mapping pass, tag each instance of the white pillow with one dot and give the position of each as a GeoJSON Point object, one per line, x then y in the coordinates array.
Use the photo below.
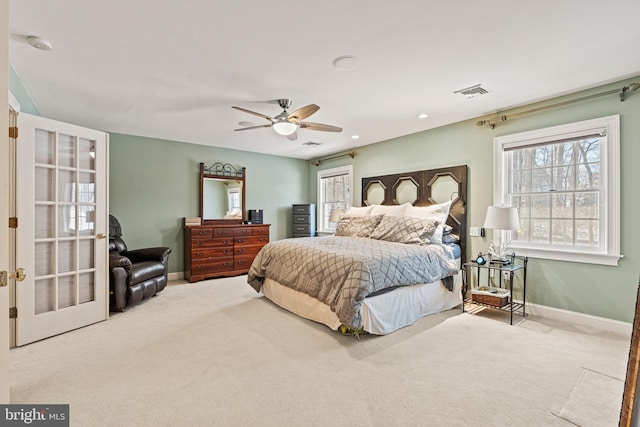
{"type": "Point", "coordinates": [437, 212]}
{"type": "Point", "coordinates": [354, 211]}
{"type": "Point", "coordinates": [391, 210]}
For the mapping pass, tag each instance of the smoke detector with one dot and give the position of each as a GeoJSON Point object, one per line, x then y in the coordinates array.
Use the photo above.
{"type": "Point", "coordinates": [472, 91]}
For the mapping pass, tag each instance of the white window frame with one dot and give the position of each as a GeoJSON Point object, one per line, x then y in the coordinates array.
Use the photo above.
{"type": "Point", "coordinates": [233, 195]}
{"type": "Point", "coordinates": [325, 173]}
{"type": "Point", "coordinates": [609, 254]}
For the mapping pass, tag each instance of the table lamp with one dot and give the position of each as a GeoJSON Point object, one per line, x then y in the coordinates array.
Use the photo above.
{"type": "Point", "coordinates": [335, 215]}
{"type": "Point", "coordinates": [501, 219]}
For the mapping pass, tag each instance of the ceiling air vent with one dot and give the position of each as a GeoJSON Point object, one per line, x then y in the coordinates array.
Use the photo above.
{"type": "Point", "coordinates": [472, 91]}
{"type": "Point", "coordinates": [311, 143]}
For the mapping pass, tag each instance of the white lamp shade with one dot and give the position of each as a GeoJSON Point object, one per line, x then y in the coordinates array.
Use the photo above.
{"type": "Point", "coordinates": [284, 127]}
{"type": "Point", "coordinates": [502, 218]}
{"type": "Point", "coordinates": [335, 215]}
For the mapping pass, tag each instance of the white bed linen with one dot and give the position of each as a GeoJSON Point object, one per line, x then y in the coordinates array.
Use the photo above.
{"type": "Point", "coordinates": [381, 314]}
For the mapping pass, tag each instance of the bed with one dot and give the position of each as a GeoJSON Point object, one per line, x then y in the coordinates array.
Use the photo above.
{"type": "Point", "coordinates": [392, 261]}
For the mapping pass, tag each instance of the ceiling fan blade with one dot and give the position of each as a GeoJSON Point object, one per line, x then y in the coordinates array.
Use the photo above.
{"type": "Point", "coordinates": [320, 126]}
{"type": "Point", "coordinates": [293, 136]}
{"type": "Point", "coordinates": [254, 127]}
{"type": "Point", "coordinates": [304, 112]}
{"type": "Point", "coordinates": [253, 112]}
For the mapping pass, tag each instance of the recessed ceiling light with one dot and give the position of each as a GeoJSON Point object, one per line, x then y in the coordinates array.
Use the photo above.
{"type": "Point", "coordinates": [39, 43]}
{"type": "Point", "coordinates": [423, 115]}
{"type": "Point", "coordinates": [346, 63]}
{"type": "Point", "coordinates": [355, 136]}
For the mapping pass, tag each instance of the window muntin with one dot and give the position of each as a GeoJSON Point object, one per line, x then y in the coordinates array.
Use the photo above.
{"type": "Point", "coordinates": [334, 192]}
{"type": "Point", "coordinates": [565, 182]}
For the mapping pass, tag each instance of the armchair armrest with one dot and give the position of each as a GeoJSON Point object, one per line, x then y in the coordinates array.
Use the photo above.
{"type": "Point", "coordinates": [117, 288]}
{"type": "Point", "coordinates": [117, 260]}
{"type": "Point", "coordinates": [149, 254]}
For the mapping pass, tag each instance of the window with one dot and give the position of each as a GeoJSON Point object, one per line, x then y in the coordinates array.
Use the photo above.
{"type": "Point", "coordinates": [334, 192]}
{"type": "Point", "coordinates": [565, 182]}
{"type": "Point", "coordinates": [233, 198]}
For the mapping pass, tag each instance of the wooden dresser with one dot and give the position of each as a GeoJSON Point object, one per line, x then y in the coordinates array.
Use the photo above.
{"type": "Point", "coordinates": [221, 250]}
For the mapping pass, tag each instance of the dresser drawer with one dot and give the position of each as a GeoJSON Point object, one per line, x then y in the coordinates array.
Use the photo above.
{"type": "Point", "coordinates": [201, 233]}
{"type": "Point", "coordinates": [223, 232]}
{"type": "Point", "coordinates": [247, 250]}
{"type": "Point", "coordinates": [301, 219]}
{"type": "Point", "coordinates": [211, 254]}
{"type": "Point", "coordinates": [301, 229]}
{"type": "Point", "coordinates": [243, 262]}
{"type": "Point", "coordinates": [210, 243]}
{"type": "Point", "coordinates": [261, 231]}
{"type": "Point", "coordinates": [242, 231]}
{"type": "Point", "coordinates": [253, 240]}
{"type": "Point", "coordinates": [205, 266]}
{"type": "Point", "coordinates": [301, 209]}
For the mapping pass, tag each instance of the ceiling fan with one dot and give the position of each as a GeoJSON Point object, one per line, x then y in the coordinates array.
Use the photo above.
{"type": "Point", "coordinates": [287, 124]}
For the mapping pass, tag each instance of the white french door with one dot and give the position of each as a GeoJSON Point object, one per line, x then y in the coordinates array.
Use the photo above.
{"type": "Point", "coordinates": [61, 205]}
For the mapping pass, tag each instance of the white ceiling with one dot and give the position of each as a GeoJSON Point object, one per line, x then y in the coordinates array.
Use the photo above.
{"type": "Point", "coordinates": [173, 69]}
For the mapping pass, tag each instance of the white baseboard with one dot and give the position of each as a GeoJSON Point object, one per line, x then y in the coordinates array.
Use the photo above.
{"type": "Point", "coordinates": [176, 276]}
{"type": "Point", "coordinates": [601, 323]}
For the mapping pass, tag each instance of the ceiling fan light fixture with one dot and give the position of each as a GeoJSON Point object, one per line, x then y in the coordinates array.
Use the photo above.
{"type": "Point", "coordinates": [284, 127]}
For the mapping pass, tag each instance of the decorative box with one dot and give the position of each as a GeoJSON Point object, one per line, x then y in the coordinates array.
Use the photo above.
{"type": "Point", "coordinates": [489, 295]}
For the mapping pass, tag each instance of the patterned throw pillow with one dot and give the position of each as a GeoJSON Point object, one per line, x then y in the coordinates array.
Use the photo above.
{"type": "Point", "coordinates": [357, 226]}
{"type": "Point", "coordinates": [405, 229]}
{"type": "Point", "coordinates": [437, 212]}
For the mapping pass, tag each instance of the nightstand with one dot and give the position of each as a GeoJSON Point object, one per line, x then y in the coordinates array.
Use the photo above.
{"type": "Point", "coordinates": [500, 295]}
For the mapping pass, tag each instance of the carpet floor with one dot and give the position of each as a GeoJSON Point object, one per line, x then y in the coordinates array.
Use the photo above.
{"type": "Point", "coordinates": [216, 353]}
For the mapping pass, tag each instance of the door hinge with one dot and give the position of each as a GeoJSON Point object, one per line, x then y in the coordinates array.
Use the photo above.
{"type": "Point", "coordinates": [13, 132]}
{"type": "Point", "coordinates": [13, 312]}
{"type": "Point", "coordinates": [13, 222]}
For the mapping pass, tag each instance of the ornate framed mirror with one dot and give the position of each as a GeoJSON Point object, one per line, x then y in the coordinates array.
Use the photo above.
{"type": "Point", "coordinates": [222, 193]}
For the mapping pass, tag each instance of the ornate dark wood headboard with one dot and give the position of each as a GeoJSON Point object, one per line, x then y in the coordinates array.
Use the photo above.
{"type": "Point", "coordinates": [426, 194]}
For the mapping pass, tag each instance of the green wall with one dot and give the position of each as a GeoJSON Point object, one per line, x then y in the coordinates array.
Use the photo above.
{"type": "Point", "coordinates": [154, 183]}
{"type": "Point", "coordinates": [21, 94]}
{"type": "Point", "coordinates": [586, 288]}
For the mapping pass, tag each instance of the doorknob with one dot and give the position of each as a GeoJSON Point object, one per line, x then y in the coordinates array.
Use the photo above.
{"type": "Point", "coordinates": [101, 235]}
{"type": "Point", "coordinates": [19, 275]}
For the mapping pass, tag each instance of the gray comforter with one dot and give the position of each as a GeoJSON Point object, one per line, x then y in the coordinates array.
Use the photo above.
{"type": "Point", "coordinates": [342, 271]}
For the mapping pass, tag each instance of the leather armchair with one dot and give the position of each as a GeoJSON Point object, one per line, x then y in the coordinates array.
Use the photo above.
{"type": "Point", "coordinates": [134, 275]}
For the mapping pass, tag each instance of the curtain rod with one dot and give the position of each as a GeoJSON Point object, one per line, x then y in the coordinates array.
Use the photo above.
{"type": "Point", "coordinates": [317, 162]}
{"type": "Point", "coordinates": [492, 122]}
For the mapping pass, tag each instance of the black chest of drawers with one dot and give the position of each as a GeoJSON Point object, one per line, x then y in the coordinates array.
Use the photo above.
{"type": "Point", "coordinates": [304, 220]}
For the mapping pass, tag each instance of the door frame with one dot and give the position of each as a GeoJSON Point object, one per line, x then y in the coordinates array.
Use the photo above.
{"type": "Point", "coordinates": [4, 202]}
